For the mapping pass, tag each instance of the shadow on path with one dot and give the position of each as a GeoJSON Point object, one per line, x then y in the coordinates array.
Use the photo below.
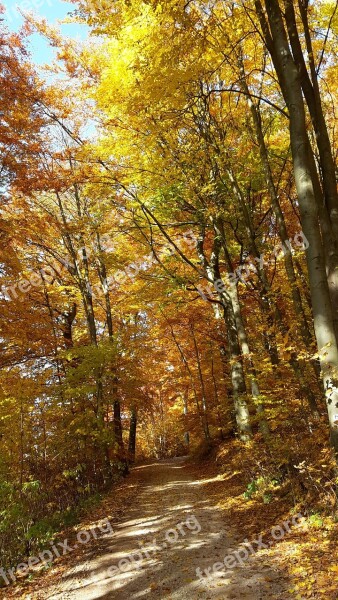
{"type": "Point", "coordinates": [173, 528]}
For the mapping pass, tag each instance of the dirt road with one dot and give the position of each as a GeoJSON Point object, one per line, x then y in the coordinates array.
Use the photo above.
{"type": "Point", "coordinates": [166, 544]}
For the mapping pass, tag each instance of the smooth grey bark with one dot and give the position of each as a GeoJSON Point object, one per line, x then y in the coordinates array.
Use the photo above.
{"type": "Point", "coordinates": [241, 332]}
{"type": "Point", "coordinates": [311, 90]}
{"type": "Point", "coordinates": [288, 75]}
{"type": "Point", "coordinates": [252, 375]}
{"type": "Point", "coordinates": [269, 310]}
{"type": "Point", "coordinates": [225, 360]}
{"type": "Point", "coordinates": [274, 314]}
{"type": "Point", "coordinates": [329, 241]}
{"type": "Point", "coordinates": [280, 221]}
{"type": "Point", "coordinates": [212, 272]}
{"type": "Point", "coordinates": [283, 235]}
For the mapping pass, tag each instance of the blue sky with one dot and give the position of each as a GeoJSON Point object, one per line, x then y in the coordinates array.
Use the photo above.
{"type": "Point", "coordinates": [52, 10]}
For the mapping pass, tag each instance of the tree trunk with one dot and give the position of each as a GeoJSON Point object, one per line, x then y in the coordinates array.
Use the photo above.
{"type": "Point", "coordinates": [242, 336]}
{"type": "Point", "coordinates": [132, 435]}
{"type": "Point", "coordinates": [280, 221]}
{"type": "Point", "coordinates": [242, 414]}
{"type": "Point", "coordinates": [312, 96]}
{"type": "Point", "coordinates": [321, 304]}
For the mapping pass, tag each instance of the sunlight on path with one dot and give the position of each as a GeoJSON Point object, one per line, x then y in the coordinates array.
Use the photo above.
{"type": "Point", "coordinates": [156, 549]}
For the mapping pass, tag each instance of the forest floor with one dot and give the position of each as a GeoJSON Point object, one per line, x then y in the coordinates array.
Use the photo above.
{"type": "Point", "coordinates": [174, 522]}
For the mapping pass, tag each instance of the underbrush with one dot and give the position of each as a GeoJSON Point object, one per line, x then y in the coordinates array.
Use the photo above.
{"type": "Point", "coordinates": [32, 514]}
{"type": "Point", "coordinates": [267, 482]}
{"type": "Point", "coordinates": [281, 490]}
{"type": "Point", "coordinates": [294, 463]}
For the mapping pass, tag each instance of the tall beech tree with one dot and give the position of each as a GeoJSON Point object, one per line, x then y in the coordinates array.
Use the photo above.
{"type": "Point", "coordinates": [291, 74]}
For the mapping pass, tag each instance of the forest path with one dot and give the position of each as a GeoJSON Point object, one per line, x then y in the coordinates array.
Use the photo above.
{"type": "Point", "coordinates": [170, 510]}
{"type": "Point", "coordinates": [176, 517]}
